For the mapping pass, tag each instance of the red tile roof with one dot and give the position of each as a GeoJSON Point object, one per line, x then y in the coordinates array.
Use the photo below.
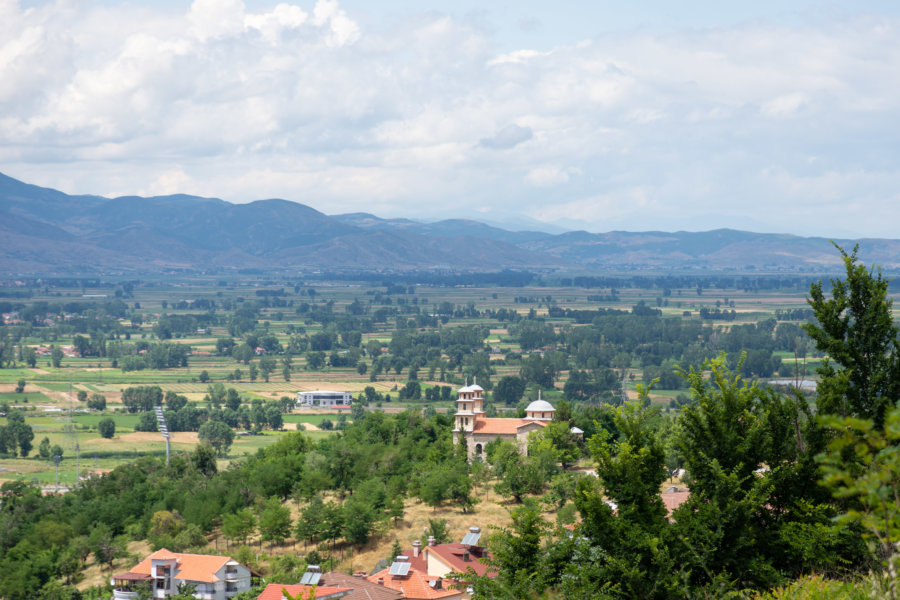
{"type": "Point", "coordinates": [417, 585]}
{"type": "Point", "coordinates": [275, 591]}
{"type": "Point", "coordinates": [363, 589]}
{"type": "Point", "coordinates": [454, 555]}
{"type": "Point", "coordinates": [672, 500]}
{"type": "Point", "coordinates": [503, 426]}
{"type": "Point", "coordinates": [131, 577]}
{"type": "Point", "coordinates": [190, 567]}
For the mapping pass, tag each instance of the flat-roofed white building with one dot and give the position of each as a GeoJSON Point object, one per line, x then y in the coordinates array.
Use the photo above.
{"type": "Point", "coordinates": [323, 399]}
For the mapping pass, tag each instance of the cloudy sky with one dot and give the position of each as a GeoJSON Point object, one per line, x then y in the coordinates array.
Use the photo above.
{"type": "Point", "coordinates": [769, 116]}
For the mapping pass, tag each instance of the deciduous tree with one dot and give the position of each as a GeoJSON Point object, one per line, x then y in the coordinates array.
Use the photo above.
{"type": "Point", "coordinates": [218, 435]}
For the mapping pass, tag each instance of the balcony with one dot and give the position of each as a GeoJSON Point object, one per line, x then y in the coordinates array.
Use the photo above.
{"type": "Point", "coordinates": [127, 586]}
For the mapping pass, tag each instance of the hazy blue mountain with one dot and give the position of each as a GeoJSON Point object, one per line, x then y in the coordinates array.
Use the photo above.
{"type": "Point", "coordinates": [44, 230]}
{"type": "Point", "coordinates": [445, 228]}
{"type": "Point", "coordinates": [40, 204]}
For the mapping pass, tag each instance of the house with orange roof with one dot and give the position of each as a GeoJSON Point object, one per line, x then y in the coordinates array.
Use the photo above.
{"type": "Point", "coordinates": [448, 560]}
{"type": "Point", "coordinates": [164, 572]}
{"type": "Point", "coordinates": [415, 584]}
{"type": "Point", "coordinates": [275, 591]}
{"type": "Point", "coordinates": [476, 430]}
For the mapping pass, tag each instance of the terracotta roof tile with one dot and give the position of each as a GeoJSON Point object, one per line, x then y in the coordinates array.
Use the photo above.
{"type": "Point", "coordinates": [131, 577]}
{"type": "Point", "coordinates": [672, 500]}
{"type": "Point", "coordinates": [190, 567]}
{"type": "Point", "coordinates": [274, 591]}
{"type": "Point", "coordinates": [455, 557]}
{"type": "Point", "coordinates": [502, 426]}
{"type": "Point", "coordinates": [416, 585]}
{"type": "Point", "coordinates": [362, 588]}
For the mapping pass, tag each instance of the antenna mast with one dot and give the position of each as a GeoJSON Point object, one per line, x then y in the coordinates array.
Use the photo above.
{"type": "Point", "coordinates": [163, 429]}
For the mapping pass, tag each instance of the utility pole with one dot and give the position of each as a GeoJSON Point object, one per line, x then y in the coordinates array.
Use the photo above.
{"type": "Point", "coordinates": [57, 459]}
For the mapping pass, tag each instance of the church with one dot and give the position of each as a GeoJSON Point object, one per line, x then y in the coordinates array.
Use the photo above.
{"type": "Point", "coordinates": [477, 430]}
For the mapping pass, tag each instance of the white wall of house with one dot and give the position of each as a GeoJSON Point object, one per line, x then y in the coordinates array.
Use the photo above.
{"type": "Point", "coordinates": [165, 577]}
{"type": "Point", "coordinates": [435, 566]}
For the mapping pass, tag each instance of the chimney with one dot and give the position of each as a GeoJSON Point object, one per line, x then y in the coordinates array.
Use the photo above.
{"type": "Point", "coordinates": [417, 545]}
{"type": "Point", "coordinates": [431, 540]}
{"type": "Point", "coordinates": [466, 557]}
{"type": "Point", "coordinates": [381, 581]}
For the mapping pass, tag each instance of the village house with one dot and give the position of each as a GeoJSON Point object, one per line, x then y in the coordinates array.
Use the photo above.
{"type": "Point", "coordinates": [416, 584]}
{"type": "Point", "coordinates": [437, 571]}
{"type": "Point", "coordinates": [440, 560]}
{"type": "Point", "coordinates": [164, 572]}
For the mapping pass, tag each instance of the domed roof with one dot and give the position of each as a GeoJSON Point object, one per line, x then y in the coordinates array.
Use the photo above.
{"type": "Point", "coordinates": [475, 388]}
{"type": "Point", "coordinates": [540, 406]}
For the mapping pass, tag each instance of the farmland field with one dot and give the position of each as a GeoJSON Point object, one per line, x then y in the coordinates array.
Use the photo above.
{"type": "Point", "coordinates": [315, 321]}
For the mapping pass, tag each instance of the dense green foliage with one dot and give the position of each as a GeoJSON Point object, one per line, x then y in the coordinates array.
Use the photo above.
{"type": "Point", "coordinates": [757, 517]}
{"type": "Point", "coordinates": [378, 459]}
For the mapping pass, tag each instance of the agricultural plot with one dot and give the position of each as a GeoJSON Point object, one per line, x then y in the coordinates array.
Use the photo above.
{"type": "Point", "coordinates": [347, 336]}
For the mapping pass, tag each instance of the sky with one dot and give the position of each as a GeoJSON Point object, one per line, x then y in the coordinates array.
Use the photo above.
{"type": "Point", "coordinates": [764, 116]}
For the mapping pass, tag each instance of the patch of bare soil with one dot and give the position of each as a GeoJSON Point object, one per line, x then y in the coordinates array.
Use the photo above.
{"type": "Point", "coordinates": [180, 437]}
{"type": "Point", "coordinates": [491, 511]}
{"type": "Point", "coordinates": [95, 574]}
{"type": "Point", "coordinates": [306, 427]}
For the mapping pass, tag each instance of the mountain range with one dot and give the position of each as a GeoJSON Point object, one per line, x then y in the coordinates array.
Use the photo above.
{"type": "Point", "coordinates": [45, 231]}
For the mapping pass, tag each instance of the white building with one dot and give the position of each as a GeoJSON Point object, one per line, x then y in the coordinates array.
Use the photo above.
{"type": "Point", "coordinates": [163, 572]}
{"type": "Point", "coordinates": [323, 399]}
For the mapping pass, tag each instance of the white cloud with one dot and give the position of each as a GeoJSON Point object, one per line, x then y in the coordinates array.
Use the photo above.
{"type": "Point", "coordinates": [784, 106]}
{"type": "Point", "coordinates": [174, 181]}
{"type": "Point", "coordinates": [429, 116]}
{"type": "Point", "coordinates": [343, 29]}
{"type": "Point", "coordinates": [216, 18]}
{"type": "Point", "coordinates": [271, 24]}
{"type": "Point", "coordinates": [507, 137]}
{"type": "Point", "coordinates": [518, 57]}
{"type": "Point", "coordinates": [551, 175]}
